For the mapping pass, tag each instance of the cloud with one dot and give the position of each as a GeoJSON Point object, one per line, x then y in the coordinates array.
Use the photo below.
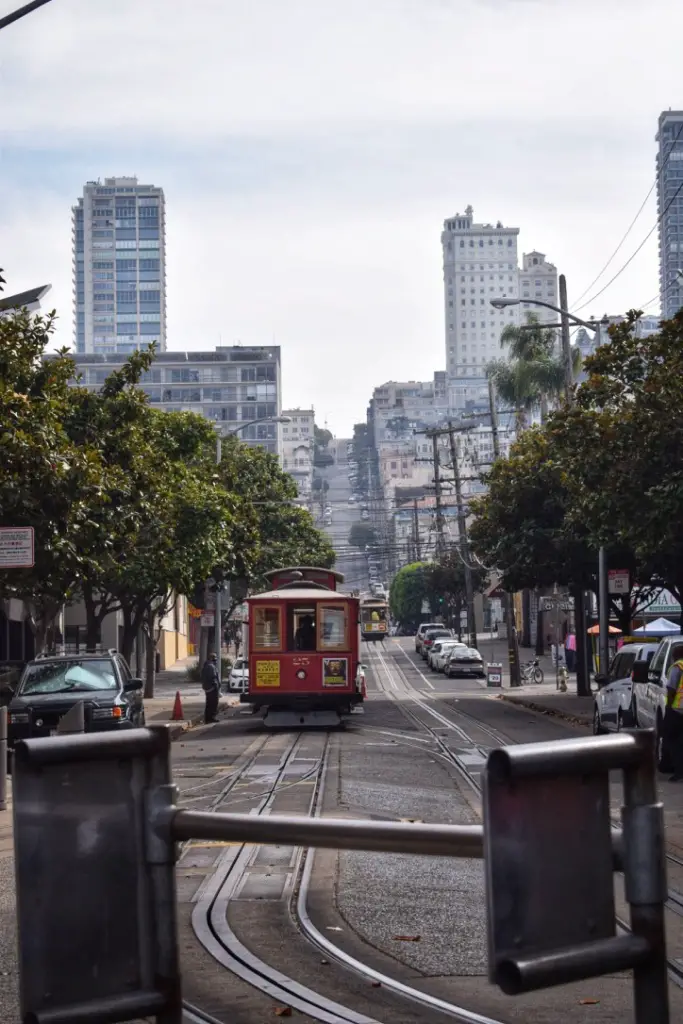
{"type": "Point", "coordinates": [311, 151]}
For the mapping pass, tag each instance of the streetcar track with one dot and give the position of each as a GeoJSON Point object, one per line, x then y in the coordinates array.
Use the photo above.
{"type": "Point", "coordinates": [675, 898]}
{"type": "Point", "coordinates": [209, 921]}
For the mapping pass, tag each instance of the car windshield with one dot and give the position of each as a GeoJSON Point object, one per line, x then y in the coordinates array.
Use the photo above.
{"type": "Point", "coordinates": [68, 676]}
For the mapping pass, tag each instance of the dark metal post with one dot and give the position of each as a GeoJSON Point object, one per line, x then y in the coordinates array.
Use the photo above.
{"type": "Point", "coordinates": [645, 884]}
{"type": "Point", "coordinates": [3, 759]}
{"type": "Point", "coordinates": [508, 599]}
{"type": "Point", "coordinates": [462, 537]}
{"type": "Point", "coordinates": [603, 610]}
{"type": "Point", "coordinates": [566, 341]}
{"type": "Point", "coordinates": [437, 495]}
{"type": "Point", "coordinates": [416, 531]}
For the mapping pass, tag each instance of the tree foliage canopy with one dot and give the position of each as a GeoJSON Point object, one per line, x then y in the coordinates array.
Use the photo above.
{"type": "Point", "coordinates": [605, 471]}
{"type": "Point", "coordinates": [127, 503]}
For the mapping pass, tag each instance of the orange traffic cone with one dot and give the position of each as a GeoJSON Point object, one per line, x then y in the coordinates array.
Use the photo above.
{"type": "Point", "coordinates": [177, 714]}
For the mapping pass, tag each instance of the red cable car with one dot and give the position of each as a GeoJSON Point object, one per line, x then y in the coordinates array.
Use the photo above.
{"type": "Point", "coordinates": [303, 644]}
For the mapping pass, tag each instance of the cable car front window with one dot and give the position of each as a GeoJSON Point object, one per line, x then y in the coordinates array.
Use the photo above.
{"type": "Point", "coordinates": [302, 629]}
{"type": "Point", "coordinates": [266, 628]}
{"type": "Point", "coordinates": [332, 628]}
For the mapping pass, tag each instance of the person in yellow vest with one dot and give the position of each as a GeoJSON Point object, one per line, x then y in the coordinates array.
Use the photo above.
{"type": "Point", "coordinates": [674, 715]}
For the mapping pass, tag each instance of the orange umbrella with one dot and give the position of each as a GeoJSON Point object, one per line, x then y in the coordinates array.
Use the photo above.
{"type": "Point", "coordinates": [595, 630]}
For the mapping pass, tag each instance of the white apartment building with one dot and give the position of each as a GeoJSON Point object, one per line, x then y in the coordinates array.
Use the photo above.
{"type": "Point", "coordinates": [231, 386]}
{"type": "Point", "coordinates": [538, 280]}
{"type": "Point", "coordinates": [400, 407]}
{"type": "Point", "coordinates": [297, 448]}
{"type": "Point", "coordinates": [480, 263]}
{"type": "Point", "coordinates": [119, 267]}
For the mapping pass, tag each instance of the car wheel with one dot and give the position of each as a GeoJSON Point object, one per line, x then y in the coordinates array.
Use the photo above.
{"type": "Point", "coordinates": [141, 720]}
{"type": "Point", "coordinates": [620, 720]}
{"type": "Point", "coordinates": [598, 729]}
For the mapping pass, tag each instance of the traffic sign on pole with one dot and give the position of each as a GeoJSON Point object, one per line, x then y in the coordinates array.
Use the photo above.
{"type": "Point", "coordinates": [619, 581]}
{"type": "Point", "coordinates": [16, 547]}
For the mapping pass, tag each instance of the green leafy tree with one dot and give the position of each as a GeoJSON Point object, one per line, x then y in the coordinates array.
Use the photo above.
{"type": "Point", "coordinates": [47, 481]}
{"type": "Point", "coordinates": [410, 587]}
{"type": "Point", "coordinates": [286, 533]}
{"type": "Point", "coordinates": [321, 436]}
{"type": "Point", "coordinates": [529, 527]}
{"type": "Point", "coordinates": [533, 375]}
{"type": "Point", "coordinates": [623, 448]}
{"type": "Point", "coordinates": [446, 588]}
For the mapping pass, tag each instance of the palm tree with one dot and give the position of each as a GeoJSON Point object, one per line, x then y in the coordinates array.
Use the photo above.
{"type": "Point", "coordinates": [533, 376]}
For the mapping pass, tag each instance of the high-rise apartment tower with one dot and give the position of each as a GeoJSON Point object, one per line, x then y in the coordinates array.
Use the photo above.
{"type": "Point", "coordinates": [119, 267]}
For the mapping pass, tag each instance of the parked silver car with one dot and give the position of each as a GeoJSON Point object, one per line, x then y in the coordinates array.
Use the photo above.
{"type": "Point", "coordinates": [615, 702]}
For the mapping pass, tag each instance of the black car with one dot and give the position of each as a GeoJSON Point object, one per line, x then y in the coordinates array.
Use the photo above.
{"type": "Point", "coordinates": [50, 686]}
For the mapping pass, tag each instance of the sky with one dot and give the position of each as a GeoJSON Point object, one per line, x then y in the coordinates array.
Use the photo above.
{"type": "Point", "coordinates": [310, 151]}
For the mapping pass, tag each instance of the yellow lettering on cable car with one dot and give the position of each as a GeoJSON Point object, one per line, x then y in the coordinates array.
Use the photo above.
{"type": "Point", "coordinates": [267, 673]}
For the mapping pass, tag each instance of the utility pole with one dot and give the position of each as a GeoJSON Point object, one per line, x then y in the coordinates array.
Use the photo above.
{"type": "Point", "coordinates": [416, 532]}
{"type": "Point", "coordinates": [508, 599]}
{"type": "Point", "coordinates": [437, 495]}
{"type": "Point", "coordinates": [566, 341]}
{"type": "Point", "coordinates": [462, 536]}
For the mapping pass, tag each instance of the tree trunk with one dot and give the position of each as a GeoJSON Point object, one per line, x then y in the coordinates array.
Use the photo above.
{"type": "Point", "coordinates": [544, 408]}
{"type": "Point", "coordinates": [583, 686]}
{"type": "Point", "coordinates": [93, 621]}
{"type": "Point", "coordinates": [150, 654]}
{"type": "Point", "coordinates": [131, 626]}
{"type": "Point", "coordinates": [139, 644]}
{"type": "Point", "coordinates": [621, 607]}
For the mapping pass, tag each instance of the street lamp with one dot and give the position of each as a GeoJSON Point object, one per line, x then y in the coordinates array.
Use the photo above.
{"type": "Point", "coordinates": [219, 454]}
{"type": "Point", "coordinates": [243, 426]}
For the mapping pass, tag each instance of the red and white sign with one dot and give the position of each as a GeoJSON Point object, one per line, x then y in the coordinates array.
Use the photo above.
{"type": "Point", "coordinates": [619, 581]}
{"type": "Point", "coordinates": [16, 547]}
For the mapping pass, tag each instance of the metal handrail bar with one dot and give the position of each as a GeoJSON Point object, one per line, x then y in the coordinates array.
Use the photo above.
{"type": "Point", "coordinates": [337, 833]}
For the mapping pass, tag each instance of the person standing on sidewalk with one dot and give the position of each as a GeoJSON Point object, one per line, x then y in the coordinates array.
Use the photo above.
{"type": "Point", "coordinates": [674, 716]}
{"type": "Point", "coordinates": [211, 688]}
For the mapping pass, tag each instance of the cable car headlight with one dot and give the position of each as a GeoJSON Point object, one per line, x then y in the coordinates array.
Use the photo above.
{"type": "Point", "coordinates": [301, 674]}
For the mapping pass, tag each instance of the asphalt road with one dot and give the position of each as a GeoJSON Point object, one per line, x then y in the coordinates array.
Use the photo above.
{"type": "Point", "coordinates": [351, 562]}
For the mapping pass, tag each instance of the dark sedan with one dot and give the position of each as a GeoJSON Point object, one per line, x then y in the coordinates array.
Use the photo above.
{"type": "Point", "coordinates": [50, 687]}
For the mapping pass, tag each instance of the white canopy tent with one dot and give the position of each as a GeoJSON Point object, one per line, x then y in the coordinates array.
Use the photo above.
{"type": "Point", "coordinates": [660, 627]}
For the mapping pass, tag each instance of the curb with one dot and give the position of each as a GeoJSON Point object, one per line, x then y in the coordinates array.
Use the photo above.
{"type": "Point", "coordinates": [542, 709]}
{"type": "Point", "coordinates": [177, 729]}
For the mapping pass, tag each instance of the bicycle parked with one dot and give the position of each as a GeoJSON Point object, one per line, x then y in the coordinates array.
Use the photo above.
{"type": "Point", "coordinates": [532, 672]}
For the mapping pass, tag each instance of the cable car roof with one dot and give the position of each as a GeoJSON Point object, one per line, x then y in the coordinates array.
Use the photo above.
{"type": "Point", "coordinates": [302, 594]}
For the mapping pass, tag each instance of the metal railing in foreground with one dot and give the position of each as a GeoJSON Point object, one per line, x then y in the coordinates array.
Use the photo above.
{"type": "Point", "coordinates": [96, 828]}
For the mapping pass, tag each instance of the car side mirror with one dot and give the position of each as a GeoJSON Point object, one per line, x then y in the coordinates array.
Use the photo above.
{"type": "Point", "coordinates": [132, 685]}
{"type": "Point", "coordinates": [601, 679]}
{"type": "Point", "coordinates": [640, 672]}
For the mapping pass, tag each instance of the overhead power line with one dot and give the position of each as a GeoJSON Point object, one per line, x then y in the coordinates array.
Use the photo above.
{"type": "Point", "coordinates": [631, 225]}
{"type": "Point", "coordinates": [634, 254]}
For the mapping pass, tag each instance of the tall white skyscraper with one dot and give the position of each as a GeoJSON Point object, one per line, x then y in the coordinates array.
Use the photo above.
{"type": "Point", "coordinates": [119, 267]}
{"type": "Point", "coordinates": [480, 263]}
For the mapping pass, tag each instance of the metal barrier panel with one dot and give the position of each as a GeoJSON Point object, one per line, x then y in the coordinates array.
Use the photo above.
{"type": "Point", "coordinates": [88, 869]}
{"type": "Point", "coordinates": [3, 758]}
